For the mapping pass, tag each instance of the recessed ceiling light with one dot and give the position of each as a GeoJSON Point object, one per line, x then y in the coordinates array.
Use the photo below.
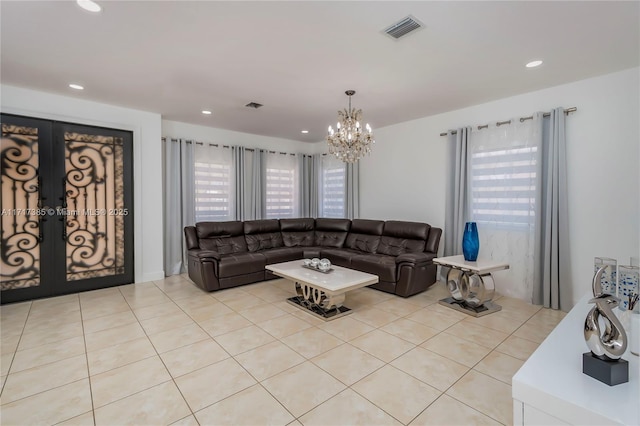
{"type": "Point", "coordinates": [534, 64]}
{"type": "Point", "coordinates": [89, 5]}
{"type": "Point", "coordinates": [206, 112]}
{"type": "Point", "coordinates": [304, 131]}
{"type": "Point", "coordinates": [76, 86]}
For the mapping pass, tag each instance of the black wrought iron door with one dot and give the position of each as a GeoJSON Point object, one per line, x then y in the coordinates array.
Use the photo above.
{"type": "Point", "coordinates": [67, 208]}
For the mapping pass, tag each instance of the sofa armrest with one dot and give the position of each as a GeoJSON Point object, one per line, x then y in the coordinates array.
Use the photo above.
{"type": "Point", "coordinates": [206, 254]}
{"type": "Point", "coordinates": [191, 237]}
{"type": "Point", "coordinates": [415, 258]}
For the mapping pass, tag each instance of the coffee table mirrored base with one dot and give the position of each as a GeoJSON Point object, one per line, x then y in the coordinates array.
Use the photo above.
{"type": "Point", "coordinates": [318, 303]}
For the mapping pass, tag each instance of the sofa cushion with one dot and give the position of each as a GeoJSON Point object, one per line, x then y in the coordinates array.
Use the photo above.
{"type": "Point", "coordinates": [297, 232]}
{"type": "Point", "coordinates": [240, 264]}
{"type": "Point", "coordinates": [378, 264]}
{"type": "Point", "coordinates": [403, 237]}
{"type": "Point", "coordinates": [223, 237]}
{"type": "Point", "coordinates": [340, 257]}
{"type": "Point", "coordinates": [262, 234]}
{"type": "Point", "coordinates": [331, 232]}
{"type": "Point", "coordinates": [282, 254]}
{"type": "Point", "coordinates": [364, 235]}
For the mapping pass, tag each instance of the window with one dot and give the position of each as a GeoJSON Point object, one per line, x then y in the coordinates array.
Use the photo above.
{"type": "Point", "coordinates": [332, 191]}
{"type": "Point", "coordinates": [213, 184]}
{"type": "Point", "coordinates": [282, 186]}
{"type": "Point", "coordinates": [503, 186]}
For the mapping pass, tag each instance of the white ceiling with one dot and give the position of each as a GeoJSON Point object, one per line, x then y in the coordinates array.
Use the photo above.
{"type": "Point", "coordinates": [297, 58]}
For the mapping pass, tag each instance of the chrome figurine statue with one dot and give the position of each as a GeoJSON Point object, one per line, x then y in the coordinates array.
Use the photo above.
{"type": "Point", "coordinates": [611, 344]}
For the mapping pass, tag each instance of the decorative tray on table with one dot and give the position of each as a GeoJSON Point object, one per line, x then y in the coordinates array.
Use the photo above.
{"type": "Point", "coordinates": [315, 268]}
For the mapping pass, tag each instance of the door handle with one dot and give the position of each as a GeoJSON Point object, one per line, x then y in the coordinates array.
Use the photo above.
{"type": "Point", "coordinates": [60, 211]}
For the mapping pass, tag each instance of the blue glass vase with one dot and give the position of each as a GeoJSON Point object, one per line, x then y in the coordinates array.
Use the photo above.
{"type": "Point", "coordinates": [470, 242]}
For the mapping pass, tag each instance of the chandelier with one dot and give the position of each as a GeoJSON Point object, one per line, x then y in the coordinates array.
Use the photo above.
{"type": "Point", "coordinates": [349, 143]}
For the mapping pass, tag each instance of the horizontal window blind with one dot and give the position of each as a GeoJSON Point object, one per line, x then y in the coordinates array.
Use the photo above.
{"type": "Point", "coordinates": [280, 199]}
{"type": "Point", "coordinates": [212, 192]}
{"type": "Point", "coordinates": [333, 191]}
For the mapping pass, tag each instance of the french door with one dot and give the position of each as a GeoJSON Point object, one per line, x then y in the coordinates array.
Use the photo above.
{"type": "Point", "coordinates": [67, 208]}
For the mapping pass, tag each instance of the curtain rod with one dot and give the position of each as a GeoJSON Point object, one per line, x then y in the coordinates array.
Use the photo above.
{"type": "Point", "coordinates": [229, 146]}
{"type": "Point", "coordinates": [500, 123]}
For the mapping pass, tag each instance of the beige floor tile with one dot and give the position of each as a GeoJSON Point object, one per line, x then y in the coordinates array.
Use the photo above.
{"type": "Point", "coordinates": [15, 311]}
{"type": "Point", "coordinates": [397, 393]}
{"type": "Point", "coordinates": [447, 411]}
{"type": "Point", "coordinates": [166, 322]}
{"type": "Point", "coordinates": [109, 321]}
{"type": "Point", "coordinates": [382, 345]}
{"type": "Point", "coordinates": [311, 342]}
{"type": "Point", "coordinates": [192, 357]}
{"type": "Point", "coordinates": [161, 404]}
{"type": "Point", "coordinates": [437, 291]}
{"type": "Point", "coordinates": [224, 324]}
{"type": "Point", "coordinates": [302, 388]}
{"type": "Point", "coordinates": [397, 306]}
{"type": "Point", "coordinates": [431, 368]}
{"type": "Point", "coordinates": [39, 338]}
{"type": "Point", "coordinates": [97, 294]}
{"type": "Point", "coordinates": [196, 302]}
{"type": "Point", "coordinates": [286, 306]}
{"type": "Point", "coordinates": [265, 410]}
{"type": "Point", "coordinates": [284, 326]}
{"type": "Point", "coordinates": [347, 407]}
{"type": "Point", "coordinates": [10, 343]}
{"type": "Point", "coordinates": [260, 314]}
{"type": "Point", "coordinates": [432, 319]}
{"type": "Point", "coordinates": [447, 311]}
{"type": "Point", "coordinates": [269, 360]}
{"type": "Point", "coordinates": [243, 301]}
{"type": "Point", "coordinates": [42, 378]}
{"type": "Point", "coordinates": [121, 382]}
{"type": "Point", "coordinates": [205, 313]}
{"type": "Point", "coordinates": [367, 296]}
{"type": "Point", "coordinates": [59, 303]}
{"type": "Point", "coordinates": [494, 400]}
{"type": "Point", "coordinates": [5, 363]}
{"type": "Point", "coordinates": [119, 355]}
{"type": "Point", "coordinates": [373, 316]}
{"type": "Point", "coordinates": [113, 336]}
{"type": "Point", "coordinates": [548, 317]}
{"type": "Point", "coordinates": [456, 349]}
{"type": "Point", "coordinates": [50, 407]}
{"type": "Point", "coordinates": [85, 419]}
{"type": "Point", "coordinates": [421, 300]}
{"type": "Point", "coordinates": [347, 363]}
{"type": "Point", "coordinates": [533, 332]}
{"type": "Point", "coordinates": [187, 421]}
{"type": "Point", "coordinates": [410, 331]}
{"type": "Point", "coordinates": [497, 321]}
{"type": "Point", "coordinates": [517, 347]}
{"type": "Point", "coordinates": [229, 293]}
{"type": "Point", "coordinates": [244, 339]}
{"type": "Point", "coordinates": [163, 309]}
{"type": "Point", "coordinates": [306, 316]}
{"type": "Point", "coordinates": [182, 291]}
{"type": "Point", "coordinates": [499, 366]}
{"type": "Point", "coordinates": [477, 334]}
{"type": "Point", "coordinates": [178, 337]}
{"type": "Point", "coordinates": [102, 309]}
{"type": "Point", "coordinates": [213, 383]}
{"type": "Point", "coordinates": [43, 324]}
{"type": "Point", "coordinates": [346, 328]}
{"type": "Point", "coordinates": [11, 328]}
{"type": "Point", "coordinates": [45, 354]}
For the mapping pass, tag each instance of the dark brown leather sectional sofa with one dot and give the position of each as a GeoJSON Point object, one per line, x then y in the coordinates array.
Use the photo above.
{"type": "Point", "coordinates": [229, 254]}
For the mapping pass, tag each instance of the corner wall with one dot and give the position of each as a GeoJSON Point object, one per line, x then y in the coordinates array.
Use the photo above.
{"type": "Point", "coordinates": [405, 176]}
{"type": "Point", "coordinates": [147, 161]}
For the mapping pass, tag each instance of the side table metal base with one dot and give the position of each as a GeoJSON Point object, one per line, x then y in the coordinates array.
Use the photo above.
{"type": "Point", "coordinates": [478, 311]}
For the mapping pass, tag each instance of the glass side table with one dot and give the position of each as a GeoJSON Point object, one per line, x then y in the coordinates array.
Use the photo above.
{"type": "Point", "coordinates": [471, 284]}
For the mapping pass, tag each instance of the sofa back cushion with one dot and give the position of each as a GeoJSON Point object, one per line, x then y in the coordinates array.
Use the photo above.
{"type": "Point", "coordinates": [262, 234]}
{"type": "Point", "coordinates": [223, 237]}
{"type": "Point", "coordinates": [403, 237]}
{"type": "Point", "coordinates": [331, 232]}
{"type": "Point", "coordinates": [365, 235]}
{"type": "Point", "coordinates": [297, 232]}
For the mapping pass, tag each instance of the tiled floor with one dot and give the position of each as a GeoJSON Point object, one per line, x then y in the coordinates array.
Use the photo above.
{"type": "Point", "coordinates": [167, 353]}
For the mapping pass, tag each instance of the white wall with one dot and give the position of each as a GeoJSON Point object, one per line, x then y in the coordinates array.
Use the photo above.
{"type": "Point", "coordinates": [176, 129]}
{"type": "Point", "coordinates": [147, 160]}
{"type": "Point", "coordinates": [404, 178]}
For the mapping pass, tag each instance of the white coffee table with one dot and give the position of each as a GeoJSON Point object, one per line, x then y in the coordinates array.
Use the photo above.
{"type": "Point", "coordinates": [471, 284]}
{"type": "Point", "coordinates": [319, 293]}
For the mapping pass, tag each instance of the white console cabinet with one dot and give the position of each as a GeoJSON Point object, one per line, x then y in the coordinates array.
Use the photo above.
{"type": "Point", "coordinates": [550, 388]}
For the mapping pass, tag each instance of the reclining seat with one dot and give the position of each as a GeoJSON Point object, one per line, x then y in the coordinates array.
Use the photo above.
{"type": "Point", "coordinates": [400, 261]}
{"type": "Point", "coordinates": [218, 256]}
{"type": "Point", "coordinates": [363, 237]}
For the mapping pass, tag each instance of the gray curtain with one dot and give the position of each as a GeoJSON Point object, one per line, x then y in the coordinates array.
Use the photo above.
{"type": "Point", "coordinates": [308, 168]}
{"type": "Point", "coordinates": [257, 208]}
{"type": "Point", "coordinates": [553, 282]}
{"type": "Point", "coordinates": [456, 207]}
{"type": "Point", "coordinates": [238, 153]}
{"type": "Point", "coordinates": [178, 202]}
{"type": "Point", "coordinates": [352, 184]}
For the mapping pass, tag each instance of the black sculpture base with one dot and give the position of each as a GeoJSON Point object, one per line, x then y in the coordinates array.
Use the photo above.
{"type": "Point", "coordinates": [610, 372]}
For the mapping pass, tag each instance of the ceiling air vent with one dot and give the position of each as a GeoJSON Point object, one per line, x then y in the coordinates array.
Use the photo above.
{"type": "Point", "coordinates": [404, 27]}
{"type": "Point", "coordinates": [254, 105]}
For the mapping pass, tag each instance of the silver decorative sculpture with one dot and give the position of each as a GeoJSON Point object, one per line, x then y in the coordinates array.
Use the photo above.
{"type": "Point", "coordinates": [612, 343]}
